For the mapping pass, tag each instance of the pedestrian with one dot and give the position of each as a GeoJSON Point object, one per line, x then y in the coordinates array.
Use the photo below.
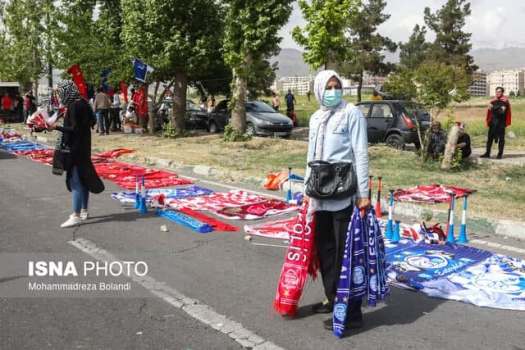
{"type": "Point", "coordinates": [28, 105]}
{"type": "Point", "coordinates": [115, 111]}
{"type": "Point", "coordinates": [499, 116]}
{"type": "Point", "coordinates": [463, 143]}
{"type": "Point", "coordinates": [81, 176]}
{"type": "Point", "coordinates": [204, 105]}
{"type": "Point", "coordinates": [19, 108]}
{"type": "Point", "coordinates": [211, 103]}
{"type": "Point", "coordinates": [7, 103]}
{"type": "Point", "coordinates": [438, 140]}
{"type": "Point", "coordinates": [290, 102]}
{"type": "Point", "coordinates": [376, 96]}
{"type": "Point", "coordinates": [140, 100]}
{"type": "Point", "coordinates": [309, 94]}
{"type": "Point", "coordinates": [338, 135]}
{"type": "Point", "coordinates": [276, 102]}
{"type": "Point", "coordinates": [102, 104]}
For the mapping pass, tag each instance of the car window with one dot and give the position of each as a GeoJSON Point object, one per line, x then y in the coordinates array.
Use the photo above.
{"type": "Point", "coordinates": [222, 106]}
{"type": "Point", "coordinates": [259, 107]}
{"type": "Point", "coordinates": [365, 108]}
{"type": "Point", "coordinates": [381, 110]}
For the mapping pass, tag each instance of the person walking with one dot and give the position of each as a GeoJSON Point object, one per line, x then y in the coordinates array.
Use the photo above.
{"type": "Point", "coordinates": [276, 102]}
{"type": "Point", "coordinates": [338, 134]}
{"type": "Point", "coordinates": [115, 111]}
{"type": "Point", "coordinates": [290, 102]}
{"type": "Point", "coordinates": [102, 104]}
{"type": "Point", "coordinates": [499, 117]}
{"type": "Point", "coordinates": [81, 176]}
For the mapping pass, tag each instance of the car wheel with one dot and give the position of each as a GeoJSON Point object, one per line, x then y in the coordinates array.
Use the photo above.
{"type": "Point", "coordinates": [250, 129]}
{"type": "Point", "coordinates": [395, 141]}
{"type": "Point", "coordinates": [213, 128]}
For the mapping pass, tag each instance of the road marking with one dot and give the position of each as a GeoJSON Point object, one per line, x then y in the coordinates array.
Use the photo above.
{"type": "Point", "coordinates": [497, 245]}
{"type": "Point", "coordinates": [192, 307]}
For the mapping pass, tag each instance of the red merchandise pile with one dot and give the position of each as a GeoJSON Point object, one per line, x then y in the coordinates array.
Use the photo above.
{"type": "Point", "coordinates": [430, 193]}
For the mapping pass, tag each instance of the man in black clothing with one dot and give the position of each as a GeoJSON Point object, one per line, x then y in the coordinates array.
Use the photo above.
{"type": "Point", "coordinates": [498, 118]}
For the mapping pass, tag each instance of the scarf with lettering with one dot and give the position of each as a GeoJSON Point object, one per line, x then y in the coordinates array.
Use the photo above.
{"type": "Point", "coordinates": [363, 268]}
{"type": "Point", "coordinates": [300, 261]}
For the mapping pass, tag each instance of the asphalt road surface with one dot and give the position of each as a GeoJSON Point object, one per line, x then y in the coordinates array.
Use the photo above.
{"type": "Point", "coordinates": [220, 278]}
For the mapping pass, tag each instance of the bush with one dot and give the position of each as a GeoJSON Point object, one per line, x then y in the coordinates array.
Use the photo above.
{"type": "Point", "coordinates": [232, 135]}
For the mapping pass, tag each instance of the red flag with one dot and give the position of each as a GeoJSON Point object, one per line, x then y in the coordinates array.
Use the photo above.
{"type": "Point", "coordinates": [124, 89]}
{"type": "Point", "coordinates": [78, 79]}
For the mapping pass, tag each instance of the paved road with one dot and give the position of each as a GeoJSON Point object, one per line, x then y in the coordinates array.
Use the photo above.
{"type": "Point", "coordinates": [229, 275]}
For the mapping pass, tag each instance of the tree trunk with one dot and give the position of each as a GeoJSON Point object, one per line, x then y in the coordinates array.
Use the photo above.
{"type": "Point", "coordinates": [359, 87]}
{"type": "Point", "coordinates": [238, 118]}
{"type": "Point", "coordinates": [450, 148]}
{"type": "Point", "coordinates": [152, 115]}
{"type": "Point", "coordinates": [179, 101]}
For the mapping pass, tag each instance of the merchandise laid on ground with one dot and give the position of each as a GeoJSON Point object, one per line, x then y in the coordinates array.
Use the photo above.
{"type": "Point", "coordinates": [424, 259]}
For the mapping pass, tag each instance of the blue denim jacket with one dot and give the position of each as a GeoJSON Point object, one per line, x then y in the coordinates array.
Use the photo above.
{"type": "Point", "coordinates": [346, 139]}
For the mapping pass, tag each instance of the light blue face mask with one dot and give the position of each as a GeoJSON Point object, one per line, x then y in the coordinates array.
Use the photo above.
{"type": "Point", "coordinates": [332, 98]}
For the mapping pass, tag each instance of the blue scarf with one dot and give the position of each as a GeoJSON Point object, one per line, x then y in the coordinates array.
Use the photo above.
{"type": "Point", "coordinates": [363, 268]}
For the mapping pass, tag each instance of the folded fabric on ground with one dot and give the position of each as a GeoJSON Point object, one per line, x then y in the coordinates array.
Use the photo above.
{"type": "Point", "coordinates": [18, 146]}
{"type": "Point", "coordinates": [185, 220]}
{"type": "Point", "coordinates": [125, 175]}
{"type": "Point", "coordinates": [9, 134]}
{"type": "Point", "coordinates": [44, 156]}
{"type": "Point", "coordinates": [430, 193]}
{"type": "Point", "coordinates": [275, 181]}
{"type": "Point", "coordinates": [274, 229]}
{"type": "Point", "coordinates": [217, 201]}
{"type": "Point", "coordinates": [128, 197]}
{"type": "Point", "coordinates": [257, 210]}
{"type": "Point", "coordinates": [115, 153]}
{"type": "Point", "coordinates": [217, 225]}
{"type": "Point", "coordinates": [458, 272]}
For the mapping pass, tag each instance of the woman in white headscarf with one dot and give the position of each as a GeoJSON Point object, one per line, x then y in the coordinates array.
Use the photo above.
{"type": "Point", "coordinates": [337, 134]}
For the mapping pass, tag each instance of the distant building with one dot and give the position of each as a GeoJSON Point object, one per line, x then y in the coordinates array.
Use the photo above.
{"type": "Point", "coordinates": [510, 80]}
{"type": "Point", "coordinates": [479, 86]}
{"type": "Point", "coordinates": [298, 85]}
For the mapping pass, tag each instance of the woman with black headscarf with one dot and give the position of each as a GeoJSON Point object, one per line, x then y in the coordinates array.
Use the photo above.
{"type": "Point", "coordinates": [81, 176]}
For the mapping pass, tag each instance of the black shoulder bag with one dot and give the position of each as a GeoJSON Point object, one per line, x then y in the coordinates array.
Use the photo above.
{"type": "Point", "coordinates": [330, 180]}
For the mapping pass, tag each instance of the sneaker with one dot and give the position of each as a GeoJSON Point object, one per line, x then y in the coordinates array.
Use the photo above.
{"type": "Point", "coordinates": [84, 215]}
{"type": "Point", "coordinates": [324, 307]}
{"type": "Point", "coordinates": [73, 220]}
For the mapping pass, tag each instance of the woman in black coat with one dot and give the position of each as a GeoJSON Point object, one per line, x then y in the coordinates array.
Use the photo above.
{"type": "Point", "coordinates": [81, 176]}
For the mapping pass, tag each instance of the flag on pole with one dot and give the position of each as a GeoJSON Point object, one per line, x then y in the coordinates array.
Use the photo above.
{"type": "Point", "coordinates": [78, 79]}
{"type": "Point", "coordinates": [141, 70]}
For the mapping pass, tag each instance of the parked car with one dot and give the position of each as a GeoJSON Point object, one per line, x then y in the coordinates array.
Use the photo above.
{"type": "Point", "coordinates": [195, 117]}
{"type": "Point", "coordinates": [394, 121]}
{"type": "Point", "coordinates": [261, 119]}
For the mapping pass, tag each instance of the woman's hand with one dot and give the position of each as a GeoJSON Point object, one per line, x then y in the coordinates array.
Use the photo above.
{"type": "Point", "coordinates": [363, 203]}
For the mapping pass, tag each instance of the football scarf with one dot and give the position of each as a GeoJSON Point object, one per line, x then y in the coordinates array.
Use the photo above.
{"type": "Point", "coordinates": [217, 201]}
{"type": "Point", "coordinates": [217, 225]}
{"type": "Point", "coordinates": [274, 229]}
{"type": "Point", "coordinates": [300, 261]}
{"type": "Point", "coordinates": [257, 210]}
{"type": "Point", "coordinates": [430, 193]}
{"type": "Point", "coordinates": [127, 197]}
{"type": "Point", "coordinates": [363, 268]}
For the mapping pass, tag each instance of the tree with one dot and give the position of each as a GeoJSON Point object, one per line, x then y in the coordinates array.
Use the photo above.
{"type": "Point", "coordinates": [452, 45]}
{"type": "Point", "coordinates": [400, 85]}
{"type": "Point", "coordinates": [365, 46]}
{"type": "Point", "coordinates": [323, 37]}
{"type": "Point", "coordinates": [414, 51]}
{"type": "Point", "coordinates": [251, 37]}
{"type": "Point", "coordinates": [180, 39]}
{"type": "Point", "coordinates": [26, 37]}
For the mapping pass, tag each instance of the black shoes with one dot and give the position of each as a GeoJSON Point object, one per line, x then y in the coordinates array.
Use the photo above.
{"type": "Point", "coordinates": [324, 307]}
{"type": "Point", "coordinates": [485, 155]}
{"type": "Point", "coordinates": [500, 156]}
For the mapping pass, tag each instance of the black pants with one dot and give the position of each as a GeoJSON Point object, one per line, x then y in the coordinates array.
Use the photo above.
{"type": "Point", "coordinates": [496, 133]}
{"type": "Point", "coordinates": [331, 229]}
{"type": "Point", "coordinates": [115, 119]}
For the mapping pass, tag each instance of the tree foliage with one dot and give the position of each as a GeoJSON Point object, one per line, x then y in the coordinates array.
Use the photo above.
{"type": "Point", "coordinates": [415, 50]}
{"type": "Point", "coordinates": [365, 46]}
{"type": "Point", "coordinates": [323, 37]}
{"type": "Point", "coordinates": [452, 44]}
{"type": "Point", "coordinates": [251, 37]}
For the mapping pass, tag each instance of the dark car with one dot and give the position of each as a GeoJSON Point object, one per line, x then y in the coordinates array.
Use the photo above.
{"type": "Point", "coordinates": [195, 117]}
{"type": "Point", "coordinates": [261, 119]}
{"type": "Point", "coordinates": [394, 121]}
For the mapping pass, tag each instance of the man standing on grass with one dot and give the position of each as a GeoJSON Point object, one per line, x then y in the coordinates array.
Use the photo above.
{"type": "Point", "coordinates": [498, 118]}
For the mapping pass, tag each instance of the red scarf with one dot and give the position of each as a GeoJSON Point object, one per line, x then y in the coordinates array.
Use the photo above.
{"type": "Point", "coordinates": [508, 113]}
{"type": "Point", "coordinates": [300, 261]}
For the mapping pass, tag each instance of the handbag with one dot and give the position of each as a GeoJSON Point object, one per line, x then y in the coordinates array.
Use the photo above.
{"type": "Point", "coordinates": [331, 180]}
{"type": "Point", "coordinates": [62, 158]}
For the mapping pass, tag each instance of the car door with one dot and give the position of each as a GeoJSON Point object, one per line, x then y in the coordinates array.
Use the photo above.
{"type": "Point", "coordinates": [195, 117]}
{"type": "Point", "coordinates": [379, 121]}
{"type": "Point", "coordinates": [220, 115]}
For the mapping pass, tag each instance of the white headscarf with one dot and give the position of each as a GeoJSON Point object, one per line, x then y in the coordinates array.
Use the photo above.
{"type": "Point", "coordinates": [324, 112]}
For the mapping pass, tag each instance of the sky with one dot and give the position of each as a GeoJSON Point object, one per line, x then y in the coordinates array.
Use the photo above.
{"type": "Point", "coordinates": [493, 23]}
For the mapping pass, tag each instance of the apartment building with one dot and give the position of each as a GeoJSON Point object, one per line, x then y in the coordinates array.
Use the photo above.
{"type": "Point", "coordinates": [510, 80]}
{"type": "Point", "coordinates": [479, 86]}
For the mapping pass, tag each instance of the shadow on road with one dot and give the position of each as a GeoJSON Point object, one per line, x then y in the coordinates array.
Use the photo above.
{"type": "Point", "coordinates": [129, 216]}
{"type": "Point", "coordinates": [401, 307]}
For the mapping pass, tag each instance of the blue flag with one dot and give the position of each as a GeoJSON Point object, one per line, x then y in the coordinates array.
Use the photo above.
{"type": "Point", "coordinates": [141, 70]}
